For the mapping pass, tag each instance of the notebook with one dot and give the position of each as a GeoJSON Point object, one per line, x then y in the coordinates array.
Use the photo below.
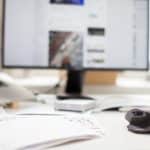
{"type": "Point", "coordinates": [40, 132]}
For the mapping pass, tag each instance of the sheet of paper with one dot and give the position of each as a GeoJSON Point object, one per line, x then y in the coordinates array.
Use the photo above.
{"type": "Point", "coordinates": [24, 132]}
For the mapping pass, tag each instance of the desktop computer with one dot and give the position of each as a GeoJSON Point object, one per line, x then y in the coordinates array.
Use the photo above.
{"type": "Point", "coordinates": [76, 35]}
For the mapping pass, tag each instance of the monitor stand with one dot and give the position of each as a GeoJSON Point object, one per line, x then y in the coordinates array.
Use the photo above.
{"type": "Point", "coordinates": [74, 86]}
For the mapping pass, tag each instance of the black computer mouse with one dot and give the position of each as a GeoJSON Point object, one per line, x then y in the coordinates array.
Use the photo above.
{"type": "Point", "coordinates": [139, 121]}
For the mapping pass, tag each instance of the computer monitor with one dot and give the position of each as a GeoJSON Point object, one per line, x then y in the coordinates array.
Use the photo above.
{"type": "Point", "coordinates": [76, 35]}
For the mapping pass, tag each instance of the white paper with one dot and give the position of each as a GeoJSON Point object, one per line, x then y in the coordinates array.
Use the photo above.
{"type": "Point", "coordinates": [45, 131]}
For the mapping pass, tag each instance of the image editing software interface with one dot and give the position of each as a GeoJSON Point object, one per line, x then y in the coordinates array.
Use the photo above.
{"type": "Point", "coordinates": [76, 34]}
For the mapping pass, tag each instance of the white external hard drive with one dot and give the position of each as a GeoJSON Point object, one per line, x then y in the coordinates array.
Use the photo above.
{"type": "Point", "coordinates": [75, 105]}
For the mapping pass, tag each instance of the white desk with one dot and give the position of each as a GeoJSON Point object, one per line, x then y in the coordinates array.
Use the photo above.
{"type": "Point", "coordinates": [117, 137]}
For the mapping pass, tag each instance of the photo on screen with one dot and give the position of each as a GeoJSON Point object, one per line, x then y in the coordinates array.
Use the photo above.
{"type": "Point", "coordinates": [71, 2]}
{"type": "Point", "coordinates": [66, 50]}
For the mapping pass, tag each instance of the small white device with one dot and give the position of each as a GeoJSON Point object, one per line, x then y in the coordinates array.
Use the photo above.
{"type": "Point", "coordinates": [75, 105]}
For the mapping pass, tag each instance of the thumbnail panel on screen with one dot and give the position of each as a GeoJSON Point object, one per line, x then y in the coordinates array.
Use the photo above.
{"type": "Point", "coordinates": [73, 2]}
{"type": "Point", "coordinates": [66, 49]}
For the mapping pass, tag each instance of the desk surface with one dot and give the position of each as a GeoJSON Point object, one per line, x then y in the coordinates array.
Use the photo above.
{"type": "Point", "coordinates": [117, 137]}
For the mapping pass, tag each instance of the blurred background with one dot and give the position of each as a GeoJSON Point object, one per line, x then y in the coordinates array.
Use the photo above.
{"type": "Point", "coordinates": [95, 81]}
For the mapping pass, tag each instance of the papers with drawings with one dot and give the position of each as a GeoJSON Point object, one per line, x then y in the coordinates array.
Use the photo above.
{"type": "Point", "coordinates": [40, 132]}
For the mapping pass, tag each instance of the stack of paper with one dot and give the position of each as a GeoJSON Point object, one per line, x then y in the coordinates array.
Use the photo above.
{"type": "Point", "coordinates": [41, 132]}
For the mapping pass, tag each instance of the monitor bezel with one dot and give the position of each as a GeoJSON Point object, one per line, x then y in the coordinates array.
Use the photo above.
{"type": "Point", "coordinates": [4, 66]}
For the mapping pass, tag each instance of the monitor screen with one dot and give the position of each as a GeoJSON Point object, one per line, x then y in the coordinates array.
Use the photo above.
{"type": "Point", "coordinates": [76, 34]}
